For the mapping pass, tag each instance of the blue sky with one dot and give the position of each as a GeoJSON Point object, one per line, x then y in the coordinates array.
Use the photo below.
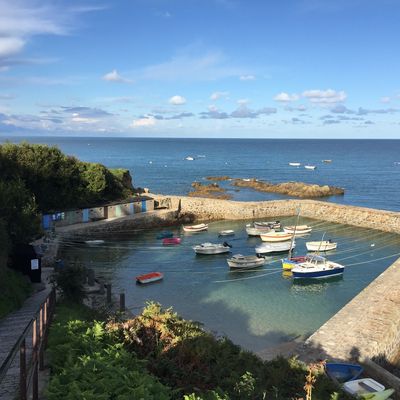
{"type": "Point", "coordinates": [200, 68]}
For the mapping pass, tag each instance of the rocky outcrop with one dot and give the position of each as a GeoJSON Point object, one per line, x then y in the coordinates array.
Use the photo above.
{"type": "Point", "coordinates": [218, 178]}
{"type": "Point", "coordinates": [212, 191]}
{"type": "Point", "coordinates": [296, 189]}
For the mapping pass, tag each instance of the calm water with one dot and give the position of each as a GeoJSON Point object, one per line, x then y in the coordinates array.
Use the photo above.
{"type": "Point", "coordinates": [365, 168]}
{"type": "Point", "coordinates": [256, 309]}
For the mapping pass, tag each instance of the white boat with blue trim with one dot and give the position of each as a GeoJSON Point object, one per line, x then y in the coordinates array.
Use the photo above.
{"type": "Point", "coordinates": [317, 267]}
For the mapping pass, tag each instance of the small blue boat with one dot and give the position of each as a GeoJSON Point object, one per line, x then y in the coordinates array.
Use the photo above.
{"type": "Point", "coordinates": [165, 235]}
{"type": "Point", "coordinates": [317, 267]}
{"type": "Point", "coordinates": [343, 372]}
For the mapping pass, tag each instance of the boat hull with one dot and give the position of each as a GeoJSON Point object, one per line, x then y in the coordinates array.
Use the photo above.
{"type": "Point", "coordinates": [171, 241]}
{"type": "Point", "coordinates": [316, 246]}
{"type": "Point", "coordinates": [195, 228]}
{"type": "Point", "coordinates": [211, 251]}
{"type": "Point", "coordinates": [343, 372]}
{"type": "Point", "coordinates": [321, 274]}
{"type": "Point", "coordinates": [276, 237]}
{"type": "Point", "coordinates": [245, 265]}
{"type": "Point", "coordinates": [149, 278]}
{"type": "Point", "coordinates": [226, 233]}
{"type": "Point", "coordinates": [269, 248]}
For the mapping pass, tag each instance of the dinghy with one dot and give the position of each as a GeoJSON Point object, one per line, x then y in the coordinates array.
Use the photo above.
{"type": "Point", "coordinates": [294, 164]}
{"type": "Point", "coordinates": [149, 278]}
{"type": "Point", "coordinates": [243, 262]}
{"type": "Point", "coordinates": [195, 228]}
{"type": "Point", "coordinates": [267, 224]}
{"type": "Point", "coordinates": [228, 232]}
{"type": "Point", "coordinates": [253, 231]}
{"type": "Point", "coordinates": [165, 234]}
{"type": "Point", "coordinates": [94, 242]}
{"type": "Point", "coordinates": [270, 248]}
{"type": "Point", "coordinates": [276, 236]}
{"type": "Point", "coordinates": [343, 372]}
{"type": "Point", "coordinates": [212, 248]}
{"type": "Point", "coordinates": [323, 245]}
{"type": "Point", "coordinates": [317, 267]}
{"type": "Point", "coordinates": [364, 386]}
{"type": "Point", "coordinates": [171, 241]}
{"type": "Point", "coordinates": [310, 167]}
{"type": "Point", "coordinates": [298, 230]}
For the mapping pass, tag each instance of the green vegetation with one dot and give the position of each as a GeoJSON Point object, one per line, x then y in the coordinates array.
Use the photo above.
{"type": "Point", "coordinates": [69, 281]}
{"type": "Point", "coordinates": [14, 289]}
{"type": "Point", "coordinates": [158, 355]}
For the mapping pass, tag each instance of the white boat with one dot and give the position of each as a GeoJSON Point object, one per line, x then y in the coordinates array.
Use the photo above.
{"type": "Point", "coordinates": [276, 236]}
{"type": "Point", "coordinates": [189, 158]}
{"type": "Point", "coordinates": [327, 161]}
{"type": "Point", "coordinates": [279, 247]}
{"type": "Point", "coordinates": [228, 232]}
{"type": "Point", "coordinates": [363, 386]}
{"type": "Point", "coordinates": [297, 230]}
{"type": "Point", "coordinates": [310, 166]}
{"type": "Point", "coordinates": [195, 228]}
{"type": "Point", "coordinates": [94, 242]}
{"type": "Point", "coordinates": [212, 248]}
{"type": "Point", "coordinates": [317, 267]}
{"type": "Point", "coordinates": [253, 231]}
{"type": "Point", "coordinates": [242, 262]}
{"type": "Point", "coordinates": [268, 224]}
{"type": "Point", "coordinates": [294, 164]}
{"type": "Point", "coordinates": [323, 245]}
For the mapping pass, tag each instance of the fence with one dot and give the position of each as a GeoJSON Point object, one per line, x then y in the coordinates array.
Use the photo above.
{"type": "Point", "coordinates": [29, 367]}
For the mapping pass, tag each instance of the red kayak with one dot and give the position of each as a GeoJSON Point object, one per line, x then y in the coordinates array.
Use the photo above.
{"type": "Point", "coordinates": [171, 241]}
{"type": "Point", "coordinates": [149, 278]}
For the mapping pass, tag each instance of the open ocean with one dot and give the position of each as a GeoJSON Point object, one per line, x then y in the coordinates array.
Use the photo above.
{"type": "Point", "coordinates": [366, 169]}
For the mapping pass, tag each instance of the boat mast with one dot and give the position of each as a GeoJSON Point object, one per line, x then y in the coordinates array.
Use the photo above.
{"type": "Point", "coordinates": [294, 234]}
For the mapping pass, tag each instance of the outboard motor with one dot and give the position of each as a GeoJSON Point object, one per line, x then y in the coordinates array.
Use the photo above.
{"type": "Point", "coordinates": [225, 244]}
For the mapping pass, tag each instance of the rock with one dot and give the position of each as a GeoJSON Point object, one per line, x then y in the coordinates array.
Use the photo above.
{"type": "Point", "coordinates": [218, 178]}
{"type": "Point", "coordinates": [212, 191]}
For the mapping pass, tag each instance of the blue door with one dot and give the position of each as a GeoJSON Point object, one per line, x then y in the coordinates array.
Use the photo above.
{"type": "Point", "coordinates": [144, 206]}
{"type": "Point", "coordinates": [85, 215]}
{"type": "Point", "coordinates": [131, 209]}
{"type": "Point", "coordinates": [46, 221]}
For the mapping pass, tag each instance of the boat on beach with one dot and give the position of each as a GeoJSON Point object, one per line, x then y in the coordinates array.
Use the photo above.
{"type": "Point", "coordinates": [244, 262]}
{"type": "Point", "coordinates": [171, 241]}
{"type": "Point", "coordinates": [268, 224]}
{"type": "Point", "coordinates": [276, 236]}
{"type": "Point", "coordinates": [294, 164]}
{"type": "Point", "coordinates": [322, 245]}
{"type": "Point", "coordinates": [343, 372]}
{"type": "Point", "coordinates": [195, 228]}
{"type": "Point", "coordinates": [277, 247]}
{"type": "Point", "coordinates": [212, 248]}
{"type": "Point", "coordinates": [297, 230]}
{"type": "Point", "coordinates": [317, 267]}
{"type": "Point", "coordinates": [228, 232]}
{"type": "Point", "coordinates": [253, 231]}
{"type": "Point", "coordinates": [149, 278]}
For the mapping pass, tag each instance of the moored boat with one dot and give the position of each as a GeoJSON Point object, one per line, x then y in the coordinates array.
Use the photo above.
{"type": "Point", "coordinates": [298, 230]}
{"type": "Point", "coordinates": [276, 236]}
{"type": "Point", "coordinates": [164, 234]}
{"type": "Point", "coordinates": [242, 262]}
{"type": "Point", "coordinates": [228, 232]}
{"type": "Point", "coordinates": [317, 267]}
{"type": "Point", "coordinates": [327, 161]}
{"type": "Point", "coordinates": [212, 248]}
{"type": "Point", "coordinates": [323, 245]}
{"type": "Point", "coordinates": [94, 242]}
{"type": "Point", "coordinates": [294, 164]}
{"type": "Point", "coordinates": [253, 231]}
{"type": "Point", "coordinates": [343, 372]}
{"type": "Point", "coordinates": [277, 247]}
{"type": "Point", "coordinates": [195, 228]}
{"type": "Point", "coordinates": [267, 224]}
{"type": "Point", "coordinates": [290, 262]}
{"type": "Point", "coordinates": [149, 278]}
{"type": "Point", "coordinates": [310, 167]}
{"type": "Point", "coordinates": [189, 158]}
{"type": "Point", "coordinates": [171, 241]}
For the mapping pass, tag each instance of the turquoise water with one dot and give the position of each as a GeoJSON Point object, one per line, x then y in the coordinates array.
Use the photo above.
{"type": "Point", "coordinates": [256, 309]}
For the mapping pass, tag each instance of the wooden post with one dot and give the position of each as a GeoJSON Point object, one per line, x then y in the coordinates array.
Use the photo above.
{"type": "Point", "coordinates": [108, 293]}
{"type": "Point", "coordinates": [22, 370]}
{"type": "Point", "coordinates": [122, 302]}
{"type": "Point", "coordinates": [41, 349]}
{"type": "Point", "coordinates": [35, 378]}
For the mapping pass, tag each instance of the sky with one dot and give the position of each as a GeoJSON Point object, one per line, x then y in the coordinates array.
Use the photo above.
{"type": "Point", "coordinates": [200, 68]}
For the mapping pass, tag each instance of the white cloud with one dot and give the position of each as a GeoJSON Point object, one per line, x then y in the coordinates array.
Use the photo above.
{"type": "Point", "coordinates": [114, 76]}
{"type": "Point", "coordinates": [143, 122]}
{"type": "Point", "coordinates": [83, 120]}
{"type": "Point", "coordinates": [247, 78]}
{"type": "Point", "coordinates": [10, 46]}
{"type": "Point", "coordinates": [177, 100]}
{"type": "Point", "coordinates": [385, 99]}
{"type": "Point", "coordinates": [328, 96]}
{"type": "Point", "coordinates": [243, 102]}
{"type": "Point", "coordinates": [218, 95]}
{"type": "Point", "coordinates": [286, 97]}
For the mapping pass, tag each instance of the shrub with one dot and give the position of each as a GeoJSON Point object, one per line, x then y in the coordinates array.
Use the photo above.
{"type": "Point", "coordinates": [69, 280]}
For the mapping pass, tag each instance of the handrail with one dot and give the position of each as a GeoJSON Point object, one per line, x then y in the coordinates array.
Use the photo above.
{"type": "Point", "coordinates": [39, 324]}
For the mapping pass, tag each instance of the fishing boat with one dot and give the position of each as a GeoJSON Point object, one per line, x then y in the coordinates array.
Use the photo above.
{"type": "Point", "coordinates": [94, 242]}
{"type": "Point", "coordinates": [243, 262]}
{"type": "Point", "coordinates": [322, 245]}
{"type": "Point", "coordinates": [253, 231]}
{"type": "Point", "coordinates": [298, 230]}
{"type": "Point", "coordinates": [317, 267]}
{"type": "Point", "coordinates": [310, 167]}
{"type": "Point", "coordinates": [290, 262]}
{"type": "Point", "coordinates": [195, 228]}
{"type": "Point", "coordinates": [276, 236]}
{"type": "Point", "coordinates": [171, 241]}
{"type": "Point", "coordinates": [294, 164]}
{"type": "Point", "coordinates": [212, 248]}
{"type": "Point", "coordinates": [228, 232]}
{"type": "Point", "coordinates": [268, 224]}
{"type": "Point", "coordinates": [149, 278]}
{"type": "Point", "coordinates": [364, 386]}
{"type": "Point", "coordinates": [327, 161]}
{"type": "Point", "coordinates": [343, 372]}
{"type": "Point", "coordinates": [165, 234]}
{"type": "Point", "coordinates": [270, 248]}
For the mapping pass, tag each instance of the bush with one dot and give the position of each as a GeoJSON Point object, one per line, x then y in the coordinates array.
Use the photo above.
{"type": "Point", "coordinates": [69, 280]}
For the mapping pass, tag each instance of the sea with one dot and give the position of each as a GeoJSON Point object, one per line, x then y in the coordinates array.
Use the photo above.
{"type": "Point", "coordinates": [264, 308]}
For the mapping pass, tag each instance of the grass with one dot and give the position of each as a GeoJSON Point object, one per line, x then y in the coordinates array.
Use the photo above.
{"type": "Point", "coordinates": [14, 289]}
